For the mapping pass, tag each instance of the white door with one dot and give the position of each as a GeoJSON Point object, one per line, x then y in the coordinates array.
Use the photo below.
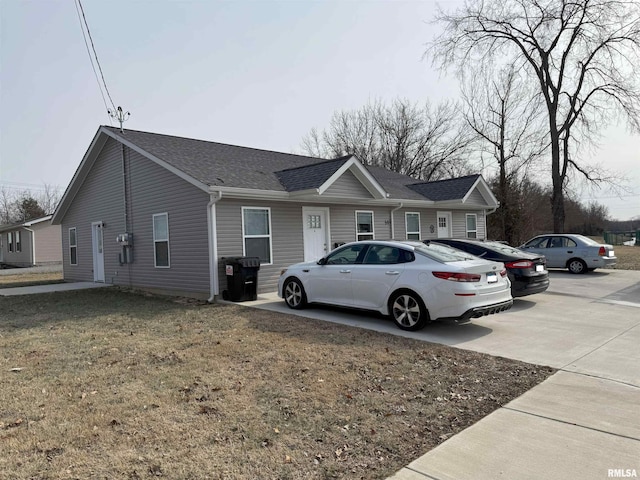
{"type": "Point", "coordinates": [444, 224]}
{"type": "Point", "coordinates": [98, 251]}
{"type": "Point", "coordinates": [316, 233]}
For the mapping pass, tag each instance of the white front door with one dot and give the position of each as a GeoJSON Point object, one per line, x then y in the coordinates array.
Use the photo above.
{"type": "Point", "coordinates": [316, 233]}
{"type": "Point", "coordinates": [98, 251]}
{"type": "Point", "coordinates": [444, 224]}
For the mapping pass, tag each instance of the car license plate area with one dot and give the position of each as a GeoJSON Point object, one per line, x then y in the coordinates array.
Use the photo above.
{"type": "Point", "coordinates": [492, 278]}
{"type": "Point", "coordinates": [611, 253]}
{"type": "Point", "coordinates": [539, 268]}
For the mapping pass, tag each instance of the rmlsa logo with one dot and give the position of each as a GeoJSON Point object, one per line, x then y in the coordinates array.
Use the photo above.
{"type": "Point", "coordinates": [622, 473]}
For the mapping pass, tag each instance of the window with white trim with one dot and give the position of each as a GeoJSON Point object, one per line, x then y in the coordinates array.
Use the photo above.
{"type": "Point", "coordinates": [364, 225]}
{"type": "Point", "coordinates": [10, 241]}
{"type": "Point", "coordinates": [256, 233]}
{"type": "Point", "coordinates": [412, 225]}
{"type": "Point", "coordinates": [161, 240]}
{"type": "Point", "coordinates": [73, 246]}
{"type": "Point", "coordinates": [472, 225]}
{"type": "Point", "coordinates": [18, 242]}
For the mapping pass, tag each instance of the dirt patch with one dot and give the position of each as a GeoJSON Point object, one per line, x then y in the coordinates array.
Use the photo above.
{"type": "Point", "coordinates": [110, 384]}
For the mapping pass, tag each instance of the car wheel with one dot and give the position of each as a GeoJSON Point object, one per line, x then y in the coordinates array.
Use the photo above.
{"type": "Point", "coordinates": [408, 311]}
{"type": "Point", "coordinates": [294, 295]}
{"type": "Point", "coordinates": [576, 265]}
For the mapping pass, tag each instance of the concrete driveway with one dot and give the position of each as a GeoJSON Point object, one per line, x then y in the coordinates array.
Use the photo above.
{"type": "Point", "coordinates": [583, 422]}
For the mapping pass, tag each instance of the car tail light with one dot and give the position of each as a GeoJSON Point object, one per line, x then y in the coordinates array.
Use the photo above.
{"type": "Point", "coordinates": [602, 252]}
{"type": "Point", "coordinates": [457, 277]}
{"type": "Point", "coordinates": [519, 264]}
{"type": "Point", "coordinates": [503, 272]}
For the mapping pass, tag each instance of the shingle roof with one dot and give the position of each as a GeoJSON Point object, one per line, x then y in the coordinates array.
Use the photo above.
{"type": "Point", "coordinates": [450, 189]}
{"type": "Point", "coordinates": [309, 176]}
{"type": "Point", "coordinates": [219, 164]}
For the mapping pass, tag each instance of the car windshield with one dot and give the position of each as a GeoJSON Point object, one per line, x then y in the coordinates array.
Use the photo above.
{"type": "Point", "coordinates": [442, 253]}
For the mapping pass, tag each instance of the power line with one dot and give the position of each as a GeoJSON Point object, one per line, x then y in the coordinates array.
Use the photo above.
{"type": "Point", "coordinates": [95, 54]}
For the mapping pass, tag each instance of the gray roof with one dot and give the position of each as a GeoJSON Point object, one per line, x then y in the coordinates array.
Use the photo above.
{"type": "Point", "coordinates": [442, 190]}
{"type": "Point", "coordinates": [219, 164]}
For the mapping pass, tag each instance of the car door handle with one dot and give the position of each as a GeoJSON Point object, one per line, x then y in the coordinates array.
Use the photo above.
{"type": "Point", "coordinates": [392, 272]}
{"type": "Point", "coordinates": [569, 251]}
{"type": "Point", "coordinates": [345, 271]}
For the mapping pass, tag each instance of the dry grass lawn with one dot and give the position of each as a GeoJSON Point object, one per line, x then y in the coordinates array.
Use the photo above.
{"type": "Point", "coordinates": [23, 279]}
{"type": "Point", "coordinates": [628, 257]}
{"type": "Point", "coordinates": [112, 384]}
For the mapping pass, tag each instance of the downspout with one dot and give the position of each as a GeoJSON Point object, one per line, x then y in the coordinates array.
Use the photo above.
{"type": "Point", "coordinates": [212, 234]}
{"type": "Point", "coordinates": [33, 245]}
{"type": "Point", "coordinates": [393, 230]}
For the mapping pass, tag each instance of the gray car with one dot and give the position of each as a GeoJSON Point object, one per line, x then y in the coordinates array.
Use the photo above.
{"type": "Point", "coordinates": [577, 253]}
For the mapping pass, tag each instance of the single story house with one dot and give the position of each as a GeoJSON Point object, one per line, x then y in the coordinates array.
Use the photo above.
{"type": "Point", "coordinates": [36, 242]}
{"type": "Point", "coordinates": [162, 212]}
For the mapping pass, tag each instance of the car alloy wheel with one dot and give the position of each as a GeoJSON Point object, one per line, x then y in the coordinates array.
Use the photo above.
{"type": "Point", "coordinates": [577, 266]}
{"type": "Point", "coordinates": [294, 295]}
{"type": "Point", "coordinates": [408, 311]}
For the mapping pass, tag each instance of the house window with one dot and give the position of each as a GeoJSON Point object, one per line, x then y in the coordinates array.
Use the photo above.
{"type": "Point", "coordinates": [10, 241]}
{"type": "Point", "coordinates": [18, 242]}
{"type": "Point", "coordinates": [472, 225]}
{"type": "Point", "coordinates": [256, 233]}
{"type": "Point", "coordinates": [161, 240]}
{"type": "Point", "coordinates": [73, 246]}
{"type": "Point", "coordinates": [364, 225]}
{"type": "Point", "coordinates": [412, 222]}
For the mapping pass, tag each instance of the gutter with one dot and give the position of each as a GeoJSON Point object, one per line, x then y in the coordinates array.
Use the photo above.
{"type": "Point", "coordinates": [392, 223]}
{"type": "Point", "coordinates": [213, 245]}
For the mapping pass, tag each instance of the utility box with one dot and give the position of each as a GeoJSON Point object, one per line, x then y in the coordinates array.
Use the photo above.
{"type": "Point", "coordinates": [242, 278]}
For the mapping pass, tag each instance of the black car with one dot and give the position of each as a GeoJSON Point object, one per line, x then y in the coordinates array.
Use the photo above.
{"type": "Point", "coordinates": [527, 271]}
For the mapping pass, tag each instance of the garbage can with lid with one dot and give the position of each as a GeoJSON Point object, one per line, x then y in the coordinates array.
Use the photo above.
{"type": "Point", "coordinates": [242, 278]}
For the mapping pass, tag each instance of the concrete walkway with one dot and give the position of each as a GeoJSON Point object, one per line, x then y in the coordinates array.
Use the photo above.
{"type": "Point", "coordinates": [583, 422]}
{"type": "Point", "coordinates": [51, 287]}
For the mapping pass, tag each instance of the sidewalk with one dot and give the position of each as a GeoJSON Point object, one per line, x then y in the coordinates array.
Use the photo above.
{"type": "Point", "coordinates": [51, 287]}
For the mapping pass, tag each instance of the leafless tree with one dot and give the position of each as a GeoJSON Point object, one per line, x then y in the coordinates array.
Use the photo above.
{"type": "Point", "coordinates": [7, 206]}
{"type": "Point", "coordinates": [48, 198]}
{"type": "Point", "coordinates": [506, 117]}
{"type": "Point", "coordinates": [425, 142]}
{"type": "Point", "coordinates": [582, 55]}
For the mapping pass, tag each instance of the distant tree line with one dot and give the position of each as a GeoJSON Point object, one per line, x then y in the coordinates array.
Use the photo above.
{"type": "Point", "coordinates": [26, 205]}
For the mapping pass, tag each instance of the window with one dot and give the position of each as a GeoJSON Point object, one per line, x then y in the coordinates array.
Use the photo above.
{"type": "Point", "coordinates": [73, 246]}
{"type": "Point", "coordinates": [383, 255]}
{"type": "Point", "coordinates": [412, 223]}
{"type": "Point", "coordinates": [161, 240]}
{"type": "Point", "coordinates": [18, 242]}
{"type": "Point", "coordinates": [472, 225]}
{"type": "Point", "coordinates": [347, 255]}
{"type": "Point", "coordinates": [10, 241]}
{"type": "Point", "coordinates": [364, 225]}
{"type": "Point", "coordinates": [256, 233]}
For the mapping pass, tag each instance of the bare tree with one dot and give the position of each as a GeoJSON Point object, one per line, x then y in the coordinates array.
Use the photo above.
{"type": "Point", "coordinates": [421, 141]}
{"type": "Point", "coordinates": [48, 198]}
{"type": "Point", "coordinates": [506, 117]}
{"type": "Point", "coordinates": [7, 206]}
{"type": "Point", "coordinates": [582, 54]}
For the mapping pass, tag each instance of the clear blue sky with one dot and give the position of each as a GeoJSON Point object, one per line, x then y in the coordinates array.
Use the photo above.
{"type": "Point", "coordinates": [256, 73]}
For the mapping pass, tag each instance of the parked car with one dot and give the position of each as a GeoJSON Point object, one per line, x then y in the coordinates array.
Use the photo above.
{"type": "Point", "coordinates": [412, 282]}
{"type": "Point", "coordinates": [527, 271]}
{"type": "Point", "coordinates": [567, 250]}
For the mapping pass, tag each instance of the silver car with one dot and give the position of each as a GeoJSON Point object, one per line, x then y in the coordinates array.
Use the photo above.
{"type": "Point", "coordinates": [577, 253]}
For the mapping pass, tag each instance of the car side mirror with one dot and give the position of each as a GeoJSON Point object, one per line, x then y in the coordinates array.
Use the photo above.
{"type": "Point", "coordinates": [322, 261]}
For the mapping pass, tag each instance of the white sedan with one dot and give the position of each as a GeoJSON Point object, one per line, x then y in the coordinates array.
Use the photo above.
{"type": "Point", "coordinates": [412, 282]}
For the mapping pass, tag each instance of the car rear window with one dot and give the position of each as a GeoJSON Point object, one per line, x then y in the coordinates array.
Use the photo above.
{"type": "Point", "coordinates": [442, 253]}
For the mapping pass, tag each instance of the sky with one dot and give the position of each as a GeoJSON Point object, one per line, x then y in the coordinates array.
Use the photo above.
{"type": "Point", "coordinates": [258, 73]}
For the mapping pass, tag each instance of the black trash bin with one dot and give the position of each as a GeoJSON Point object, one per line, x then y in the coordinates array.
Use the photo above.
{"type": "Point", "coordinates": [242, 278]}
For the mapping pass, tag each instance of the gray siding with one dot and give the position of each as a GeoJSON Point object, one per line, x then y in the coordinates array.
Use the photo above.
{"type": "Point", "coordinates": [459, 223]}
{"type": "Point", "coordinates": [152, 189]}
{"type": "Point", "coordinates": [476, 198]}
{"type": "Point", "coordinates": [48, 243]}
{"type": "Point", "coordinates": [427, 220]}
{"type": "Point", "coordinates": [347, 186]}
{"type": "Point", "coordinates": [286, 237]}
{"type": "Point", "coordinates": [23, 258]}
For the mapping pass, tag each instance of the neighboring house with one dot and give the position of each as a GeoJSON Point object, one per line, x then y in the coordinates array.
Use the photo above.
{"type": "Point", "coordinates": [36, 242]}
{"type": "Point", "coordinates": [160, 212]}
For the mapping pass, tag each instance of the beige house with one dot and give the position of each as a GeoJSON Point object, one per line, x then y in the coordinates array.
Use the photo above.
{"type": "Point", "coordinates": [36, 242]}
